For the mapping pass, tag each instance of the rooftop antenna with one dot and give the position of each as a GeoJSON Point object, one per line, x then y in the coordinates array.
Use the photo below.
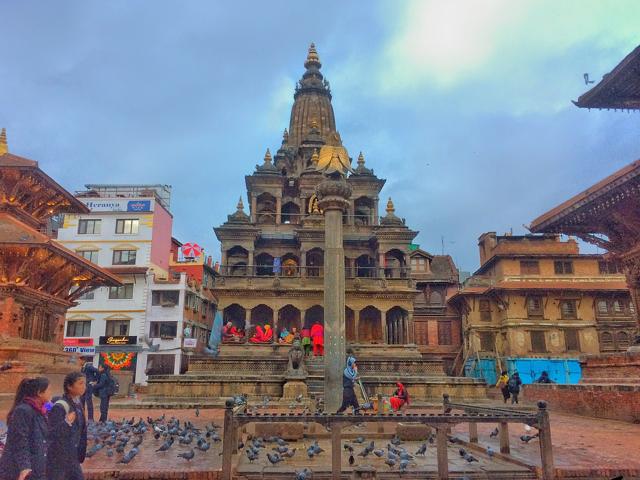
{"type": "Point", "coordinates": [586, 79]}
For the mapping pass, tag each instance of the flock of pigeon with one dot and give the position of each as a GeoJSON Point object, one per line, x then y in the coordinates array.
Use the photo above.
{"type": "Point", "coordinates": [126, 437]}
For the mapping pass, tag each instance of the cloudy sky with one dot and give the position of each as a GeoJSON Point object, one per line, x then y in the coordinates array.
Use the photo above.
{"type": "Point", "coordinates": [463, 106]}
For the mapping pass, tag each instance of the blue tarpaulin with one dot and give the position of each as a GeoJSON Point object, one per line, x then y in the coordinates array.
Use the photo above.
{"type": "Point", "coordinates": [560, 370]}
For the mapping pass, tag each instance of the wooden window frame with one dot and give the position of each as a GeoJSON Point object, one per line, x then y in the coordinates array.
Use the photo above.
{"type": "Point", "coordinates": [537, 313]}
{"type": "Point", "coordinates": [563, 267]}
{"type": "Point", "coordinates": [542, 335]}
{"type": "Point", "coordinates": [568, 315]}
{"type": "Point", "coordinates": [529, 267]}
{"type": "Point", "coordinates": [576, 332]}
{"type": "Point", "coordinates": [485, 313]}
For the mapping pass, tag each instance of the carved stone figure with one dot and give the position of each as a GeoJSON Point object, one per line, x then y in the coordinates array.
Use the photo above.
{"type": "Point", "coordinates": [296, 367]}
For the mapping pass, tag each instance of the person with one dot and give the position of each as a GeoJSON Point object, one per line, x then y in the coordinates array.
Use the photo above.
{"type": "Point", "coordinates": [349, 378]}
{"type": "Point", "coordinates": [514, 387]}
{"type": "Point", "coordinates": [25, 452]}
{"type": "Point", "coordinates": [317, 338]}
{"type": "Point", "coordinates": [67, 431]}
{"type": "Point", "coordinates": [91, 378]}
{"type": "Point", "coordinates": [262, 335]}
{"type": "Point", "coordinates": [503, 385]}
{"type": "Point", "coordinates": [284, 334]}
{"type": "Point", "coordinates": [104, 390]}
{"type": "Point", "coordinates": [306, 341]}
{"type": "Point", "coordinates": [230, 333]}
{"type": "Point", "coordinates": [544, 378]}
{"type": "Point", "coordinates": [400, 397]}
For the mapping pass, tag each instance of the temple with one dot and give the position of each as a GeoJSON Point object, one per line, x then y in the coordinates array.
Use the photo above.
{"type": "Point", "coordinates": [39, 278]}
{"type": "Point", "coordinates": [273, 266]}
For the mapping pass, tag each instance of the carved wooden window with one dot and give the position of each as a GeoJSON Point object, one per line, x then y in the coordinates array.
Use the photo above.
{"type": "Point", "coordinates": [79, 328]}
{"type": "Point", "coordinates": [609, 268]}
{"type": "Point", "coordinates": [127, 226]}
{"type": "Point", "coordinates": [485, 310]}
{"type": "Point", "coordinates": [124, 257]}
{"type": "Point", "coordinates": [444, 333]}
{"type": "Point", "coordinates": [622, 340]}
{"type": "Point", "coordinates": [418, 264]}
{"type": "Point", "coordinates": [529, 267]}
{"type": "Point", "coordinates": [124, 292]}
{"type": "Point", "coordinates": [535, 306]}
{"type": "Point", "coordinates": [89, 227]}
{"type": "Point", "coordinates": [117, 327]}
{"type": "Point", "coordinates": [572, 340]}
{"type": "Point", "coordinates": [568, 309]}
{"type": "Point", "coordinates": [620, 306]}
{"type": "Point", "coordinates": [538, 342]}
{"type": "Point", "coordinates": [563, 267]}
{"type": "Point", "coordinates": [435, 298]}
{"type": "Point", "coordinates": [487, 341]}
{"type": "Point", "coordinates": [606, 341]}
{"type": "Point", "coordinates": [421, 333]}
{"type": "Point", "coordinates": [602, 307]}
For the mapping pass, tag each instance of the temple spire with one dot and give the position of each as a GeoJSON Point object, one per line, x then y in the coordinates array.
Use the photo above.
{"type": "Point", "coordinates": [267, 157]}
{"type": "Point", "coordinates": [361, 160]}
{"type": "Point", "coordinates": [240, 205]}
{"type": "Point", "coordinates": [312, 57]}
{"type": "Point", "coordinates": [390, 207]}
{"type": "Point", "coordinates": [4, 148]}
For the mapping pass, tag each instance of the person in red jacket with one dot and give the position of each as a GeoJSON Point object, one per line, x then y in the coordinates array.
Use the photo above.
{"type": "Point", "coordinates": [317, 339]}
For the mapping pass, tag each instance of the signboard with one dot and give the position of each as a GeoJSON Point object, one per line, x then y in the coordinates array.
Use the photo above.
{"type": "Point", "coordinates": [117, 205]}
{"type": "Point", "coordinates": [81, 350]}
{"type": "Point", "coordinates": [77, 342]}
{"type": "Point", "coordinates": [118, 340]}
{"type": "Point", "coordinates": [190, 343]}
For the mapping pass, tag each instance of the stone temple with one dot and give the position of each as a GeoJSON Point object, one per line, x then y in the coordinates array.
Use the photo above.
{"type": "Point", "coordinates": [273, 267]}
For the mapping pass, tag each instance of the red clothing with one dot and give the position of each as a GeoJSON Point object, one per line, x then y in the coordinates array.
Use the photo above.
{"type": "Point", "coordinates": [262, 335]}
{"type": "Point", "coordinates": [317, 338]}
{"type": "Point", "coordinates": [400, 397]}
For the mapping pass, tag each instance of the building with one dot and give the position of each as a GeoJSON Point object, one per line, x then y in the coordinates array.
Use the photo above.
{"type": "Point", "coordinates": [40, 279]}
{"type": "Point", "coordinates": [273, 257]}
{"type": "Point", "coordinates": [536, 296]}
{"type": "Point", "coordinates": [437, 324]}
{"type": "Point", "coordinates": [127, 230]}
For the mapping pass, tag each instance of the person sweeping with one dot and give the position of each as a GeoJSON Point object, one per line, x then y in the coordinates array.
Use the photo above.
{"type": "Point", "coordinates": [349, 378]}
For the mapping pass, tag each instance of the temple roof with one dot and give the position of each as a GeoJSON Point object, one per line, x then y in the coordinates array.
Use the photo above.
{"type": "Point", "coordinates": [619, 88]}
{"type": "Point", "coordinates": [591, 205]}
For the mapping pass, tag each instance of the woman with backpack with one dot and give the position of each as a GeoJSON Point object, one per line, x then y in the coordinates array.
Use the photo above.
{"type": "Point", "coordinates": [503, 385]}
{"type": "Point", "coordinates": [104, 389]}
{"type": "Point", "coordinates": [514, 387]}
{"type": "Point", "coordinates": [25, 453]}
{"type": "Point", "coordinates": [68, 431]}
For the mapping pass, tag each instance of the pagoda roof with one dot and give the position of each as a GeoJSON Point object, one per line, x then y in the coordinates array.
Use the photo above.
{"type": "Point", "coordinates": [619, 88]}
{"type": "Point", "coordinates": [579, 212]}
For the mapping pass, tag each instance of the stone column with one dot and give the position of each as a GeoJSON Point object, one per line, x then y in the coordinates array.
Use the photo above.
{"type": "Point", "coordinates": [411, 332]}
{"type": "Point", "coordinates": [254, 207]}
{"type": "Point", "coordinates": [251, 268]}
{"type": "Point", "coordinates": [247, 322]}
{"type": "Point", "coordinates": [356, 326]}
{"type": "Point", "coordinates": [376, 216]}
{"type": "Point", "coordinates": [383, 321]}
{"type": "Point", "coordinates": [381, 258]}
{"type": "Point", "coordinates": [303, 264]}
{"type": "Point", "coordinates": [278, 210]}
{"type": "Point", "coordinates": [352, 213]}
{"type": "Point", "coordinates": [333, 200]}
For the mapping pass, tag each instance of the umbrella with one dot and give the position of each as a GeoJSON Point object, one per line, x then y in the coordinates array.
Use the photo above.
{"type": "Point", "coordinates": [191, 250]}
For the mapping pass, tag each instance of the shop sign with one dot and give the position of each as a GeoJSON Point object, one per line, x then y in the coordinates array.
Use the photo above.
{"type": "Point", "coordinates": [77, 342]}
{"type": "Point", "coordinates": [190, 343]}
{"type": "Point", "coordinates": [80, 350]}
{"type": "Point", "coordinates": [119, 340]}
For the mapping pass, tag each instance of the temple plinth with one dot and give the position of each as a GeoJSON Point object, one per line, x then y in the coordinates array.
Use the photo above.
{"type": "Point", "coordinates": [333, 199]}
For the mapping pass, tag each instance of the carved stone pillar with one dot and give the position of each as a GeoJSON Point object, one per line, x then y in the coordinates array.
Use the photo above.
{"type": "Point", "coordinates": [278, 210]}
{"type": "Point", "coordinates": [254, 207]}
{"type": "Point", "coordinates": [251, 268]}
{"type": "Point", "coordinates": [376, 216]}
{"type": "Point", "coordinates": [411, 329]}
{"type": "Point", "coordinates": [385, 333]}
{"type": "Point", "coordinates": [303, 263]}
{"type": "Point", "coordinates": [247, 323]}
{"type": "Point", "coordinates": [356, 326]}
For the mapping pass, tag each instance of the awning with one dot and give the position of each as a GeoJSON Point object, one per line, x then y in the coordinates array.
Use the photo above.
{"type": "Point", "coordinates": [118, 348]}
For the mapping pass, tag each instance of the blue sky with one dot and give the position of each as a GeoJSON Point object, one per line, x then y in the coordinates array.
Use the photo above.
{"type": "Point", "coordinates": [463, 106]}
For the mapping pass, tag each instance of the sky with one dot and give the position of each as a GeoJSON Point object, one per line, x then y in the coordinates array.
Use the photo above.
{"type": "Point", "coordinates": [463, 106]}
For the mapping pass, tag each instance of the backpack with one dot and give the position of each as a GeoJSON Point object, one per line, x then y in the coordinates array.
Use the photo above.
{"type": "Point", "coordinates": [113, 388]}
{"type": "Point", "coordinates": [513, 384]}
{"type": "Point", "coordinates": [65, 405]}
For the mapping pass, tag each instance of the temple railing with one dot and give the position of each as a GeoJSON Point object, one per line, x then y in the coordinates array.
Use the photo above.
{"type": "Point", "coordinates": [237, 417]}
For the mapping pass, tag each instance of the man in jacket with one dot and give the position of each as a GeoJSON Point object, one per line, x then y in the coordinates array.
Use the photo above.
{"type": "Point", "coordinates": [103, 391]}
{"type": "Point", "coordinates": [91, 375]}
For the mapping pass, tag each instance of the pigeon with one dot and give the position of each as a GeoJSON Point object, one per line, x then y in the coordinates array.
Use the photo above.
{"type": "Point", "coordinates": [528, 438]}
{"type": "Point", "coordinates": [187, 455]}
{"type": "Point", "coordinates": [494, 433]}
{"type": "Point", "coordinates": [405, 456]}
{"type": "Point", "coordinates": [422, 450]}
{"type": "Point", "coordinates": [359, 440]}
{"type": "Point", "coordinates": [403, 465]}
{"type": "Point", "coordinates": [462, 452]}
{"type": "Point", "coordinates": [490, 451]}
{"type": "Point", "coordinates": [290, 453]}
{"type": "Point", "coordinates": [304, 474]}
{"type": "Point", "coordinates": [527, 428]}
{"type": "Point", "coordinates": [364, 453]}
{"type": "Point", "coordinates": [299, 398]}
{"type": "Point", "coordinates": [109, 453]}
{"type": "Point", "coordinates": [203, 447]}
{"type": "Point", "coordinates": [251, 455]}
{"type": "Point", "coordinates": [454, 440]}
{"type": "Point", "coordinates": [470, 458]}
{"type": "Point", "coordinates": [166, 445]}
{"type": "Point", "coordinates": [378, 453]}
{"type": "Point", "coordinates": [130, 455]}
{"type": "Point", "coordinates": [351, 460]}
{"type": "Point", "coordinates": [396, 441]}
{"type": "Point", "coordinates": [281, 442]}
{"type": "Point", "coordinates": [280, 449]}
{"type": "Point", "coordinates": [197, 412]}
{"type": "Point", "coordinates": [391, 462]}
{"type": "Point", "coordinates": [274, 458]}
{"type": "Point", "coordinates": [348, 447]}
{"type": "Point", "coordinates": [93, 450]}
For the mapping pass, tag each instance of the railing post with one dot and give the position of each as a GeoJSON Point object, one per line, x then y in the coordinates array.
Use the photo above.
{"type": "Point", "coordinates": [336, 451]}
{"type": "Point", "coordinates": [473, 432]}
{"type": "Point", "coordinates": [544, 437]}
{"type": "Point", "coordinates": [441, 445]}
{"type": "Point", "coordinates": [228, 440]}
{"type": "Point", "coordinates": [504, 438]}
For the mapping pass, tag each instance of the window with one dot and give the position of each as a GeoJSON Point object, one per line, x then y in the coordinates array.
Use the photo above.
{"type": "Point", "coordinates": [535, 307]}
{"type": "Point", "coordinates": [419, 264]}
{"type": "Point", "coordinates": [572, 340]}
{"type": "Point", "coordinates": [124, 292]}
{"type": "Point", "coordinates": [620, 307]}
{"type": "Point", "coordinates": [435, 298]}
{"type": "Point", "coordinates": [622, 340]}
{"type": "Point", "coordinates": [609, 268]}
{"type": "Point", "coordinates": [444, 333]}
{"type": "Point", "coordinates": [421, 333]}
{"type": "Point", "coordinates": [602, 306]}
{"type": "Point", "coordinates": [89, 226]}
{"type": "Point", "coordinates": [80, 328]}
{"type": "Point", "coordinates": [87, 296]}
{"type": "Point", "coordinates": [529, 267]}
{"type": "Point", "coordinates": [538, 343]}
{"type": "Point", "coordinates": [485, 310]}
{"type": "Point", "coordinates": [117, 327]}
{"type": "Point", "coordinates": [487, 341]}
{"type": "Point", "coordinates": [606, 341]}
{"type": "Point", "coordinates": [91, 255]}
{"type": "Point", "coordinates": [124, 257]}
{"type": "Point", "coordinates": [128, 226]}
{"type": "Point", "coordinates": [563, 267]}
{"type": "Point", "coordinates": [568, 309]}
{"type": "Point", "coordinates": [168, 298]}
{"type": "Point", "coordinates": [164, 329]}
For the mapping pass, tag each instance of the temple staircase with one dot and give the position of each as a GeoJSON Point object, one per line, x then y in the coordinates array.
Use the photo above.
{"type": "Point", "coordinates": [315, 380]}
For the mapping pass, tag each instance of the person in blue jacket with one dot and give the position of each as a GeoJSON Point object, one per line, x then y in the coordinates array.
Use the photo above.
{"type": "Point", "coordinates": [103, 390]}
{"type": "Point", "coordinates": [91, 378]}
{"type": "Point", "coordinates": [25, 452]}
{"type": "Point", "coordinates": [68, 431]}
{"type": "Point", "coordinates": [349, 377]}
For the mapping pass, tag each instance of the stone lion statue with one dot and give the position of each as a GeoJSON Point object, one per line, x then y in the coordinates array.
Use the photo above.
{"type": "Point", "coordinates": [296, 358]}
